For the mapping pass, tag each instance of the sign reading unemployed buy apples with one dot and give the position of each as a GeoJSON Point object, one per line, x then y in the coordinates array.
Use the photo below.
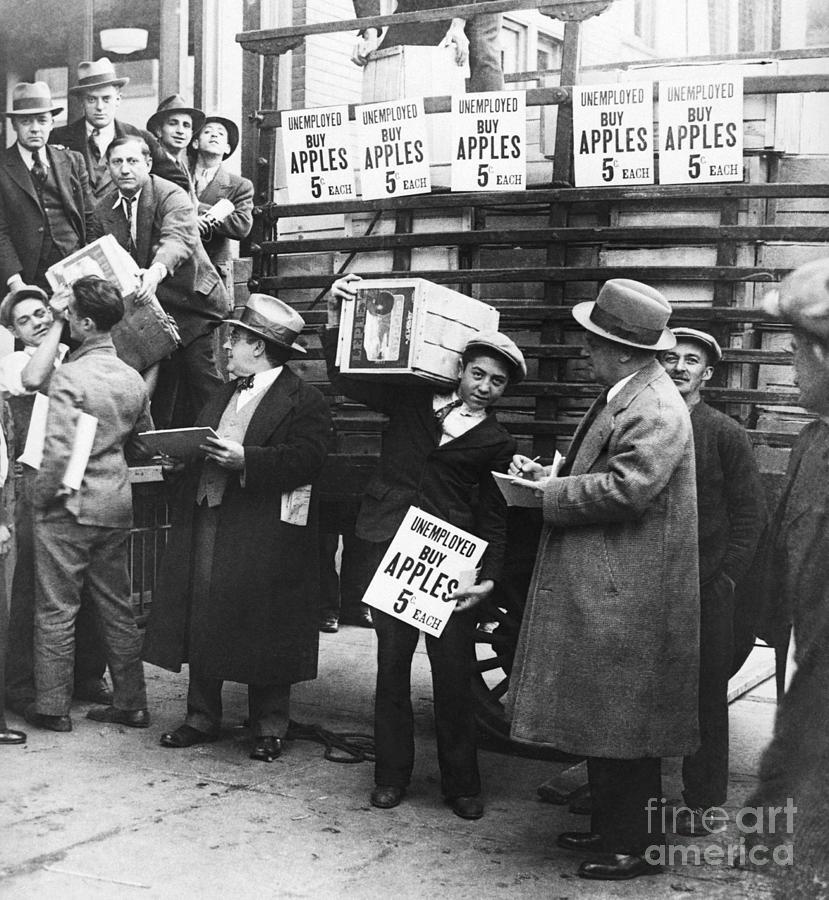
{"type": "Point", "coordinates": [489, 141]}
{"type": "Point", "coordinates": [613, 134]}
{"type": "Point", "coordinates": [317, 148]}
{"type": "Point", "coordinates": [701, 129]}
{"type": "Point", "coordinates": [392, 149]}
{"type": "Point", "coordinates": [427, 561]}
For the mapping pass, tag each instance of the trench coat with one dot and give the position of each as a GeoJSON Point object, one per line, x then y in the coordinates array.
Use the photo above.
{"type": "Point", "coordinates": [608, 654]}
{"type": "Point", "coordinates": [259, 623]}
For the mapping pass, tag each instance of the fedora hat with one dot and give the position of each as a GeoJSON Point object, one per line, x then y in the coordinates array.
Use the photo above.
{"type": "Point", "coordinates": [232, 131]}
{"type": "Point", "coordinates": [31, 99]}
{"type": "Point", "coordinates": [708, 341]}
{"type": "Point", "coordinates": [95, 74]}
{"type": "Point", "coordinates": [500, 344]}
{"type": "Point", "coordinates": [23, 292]}
{"type": "Point", "coordinates": [628, 312]}
{"type": "Point", "coordinates": [271, 319]}
{"type": "Point", "coordinates": [173, 104]}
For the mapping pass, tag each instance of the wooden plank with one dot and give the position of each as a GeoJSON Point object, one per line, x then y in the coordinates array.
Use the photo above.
{"type": "Point", "coordinates": [522, 237]}
{"type": "Point", "coordinates": [172, 50]}
{"type": "Point", "coordinates": [546, 196]}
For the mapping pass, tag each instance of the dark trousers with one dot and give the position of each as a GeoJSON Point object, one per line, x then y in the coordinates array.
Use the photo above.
{"type": "Point", "coordinates": [341, 594]}
{"type": "Point", "coordinates": [268, 706]}
{"type": "Point", "coordinates": [4, 638]}
{"type": "Point", "coordinates": [705, 773]}
{"type": "Point", "coordinates": [72, 558]}
{"type": "Point", "coordinates": [627, 808]}
{"type": "Point", "coordinates": [451, 658]}
{"type": "Point", "coordinates": [90, 659]}
{"type": "Point", "coordinates": [186, 381]}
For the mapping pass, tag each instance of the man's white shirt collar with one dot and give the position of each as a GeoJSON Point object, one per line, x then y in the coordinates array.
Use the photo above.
{"type": "Point", "coordinates": [28, 158]}
{"type": "Point", "coordinates": [106, 135]}
{"type": "Point", "coordinates": [619, 385]}
{"type": "Point", "coordinates": [261, 382]}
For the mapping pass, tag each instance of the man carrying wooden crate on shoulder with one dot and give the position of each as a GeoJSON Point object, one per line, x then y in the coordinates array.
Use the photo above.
{"type": "Point", "coordinates": [438, 454]}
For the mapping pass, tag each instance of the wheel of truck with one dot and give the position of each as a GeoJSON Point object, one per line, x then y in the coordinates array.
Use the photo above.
{"type": "Point", "coordinates": [497, 636]}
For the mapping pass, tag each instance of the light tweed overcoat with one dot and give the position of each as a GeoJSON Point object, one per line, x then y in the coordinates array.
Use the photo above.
{"type": "Point", "coordinates": [607, 658]}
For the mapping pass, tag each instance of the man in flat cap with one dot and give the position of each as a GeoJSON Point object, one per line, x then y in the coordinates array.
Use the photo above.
{"type": "Point", "coordinates": [99, 89]}
{"type": "Point", "coordinates": [236, 597]}
{"type": "Point", "coordinates": [46, 205]}
{"type": "Point", "coordinates": [793, 792]}
{"type": "Point", "coordinates": [438, 454]}
{"type": "Point", "coordinates": [731, 518]}
{"type": "Point", "coordinates": [225, 200]}
{"type": "Point", "coordinates": [607, 658]}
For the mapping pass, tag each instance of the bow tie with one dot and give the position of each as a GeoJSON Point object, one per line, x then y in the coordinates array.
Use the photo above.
{"type": "Point", "coordinates": [244, 384]}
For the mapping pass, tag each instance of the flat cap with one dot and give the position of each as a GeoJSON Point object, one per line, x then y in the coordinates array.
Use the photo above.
{"type": "Point", "coordinates": [700, 337]}
{"type": "Point", "coordinates": [503, 346]}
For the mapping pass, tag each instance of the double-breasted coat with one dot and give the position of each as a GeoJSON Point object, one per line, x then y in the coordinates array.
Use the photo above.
{"type": "Point", "coordinates": [259, 623]}
{"type": "Point", "coordinates": [608, 654]}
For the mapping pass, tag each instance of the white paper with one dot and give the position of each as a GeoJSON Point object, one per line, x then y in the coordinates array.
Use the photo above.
{"type": "Point", "coordinates": [81, 448]}
{"type": "Point", "coordinates": [295, 505]}
{"type": "Point", "coordinates": [427, 561]}
{"type": "Point", "coordinates": [221, 209]}
{"type": "Point", "coordinates": [489, 141]}
{"type": "Point", "coordinates": [613, 134]}
{"type": "Point", "coordinates": [32, 454]}
{"type": "Point", "coordinates": [701, 128]}
{"type": "Point", "coordinates": [518, 491]}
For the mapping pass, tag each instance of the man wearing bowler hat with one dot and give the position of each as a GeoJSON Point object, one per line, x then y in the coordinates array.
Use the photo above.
{"type": "Point", "coordinates": [240, 574]}
{"type": "Point", "coordinates": [215, 184]}
{"type": "Point", "coordinates": [46, 205]}
{"type": "Point", "coordinates": [731, 517]}
{"type": "Point", "coordinates": [173, 125]}
{"type": "Point", "coordinates": [607, 658]}
{"type": "Point", "coordinates": [99, 89]}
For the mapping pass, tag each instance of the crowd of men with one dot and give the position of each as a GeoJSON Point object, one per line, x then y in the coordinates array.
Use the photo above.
{"type": "Point", "coordinates": [651, 526]}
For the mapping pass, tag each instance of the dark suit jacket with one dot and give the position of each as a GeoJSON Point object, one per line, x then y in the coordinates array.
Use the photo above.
{"type": "Point", "coordinates": [74, 137]}
{"type": "Point", "coordinates": [418, 33]}
{"type": "Point", "coordinates": [452, 481]}
{"type": "Point", "coordinates": [21, 216]}
{"type": "Point", "coordinates": [226, 185]}
{"type": "Point", "coordinates": [167, 233]}
{"type": "Point", "coordinates": [96, 382]}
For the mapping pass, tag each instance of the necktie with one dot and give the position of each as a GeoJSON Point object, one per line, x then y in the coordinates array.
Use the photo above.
{"type": "Point", "coordinates": [38, 169]}
{"type": "Point", "coordinates": [443, 412]}
{"type": "Point", "coordinates": [243, 384]}
{"type": "Point", "coordinates": [127, 203]}
{"type": "Point", "coordinates": [94, 149]}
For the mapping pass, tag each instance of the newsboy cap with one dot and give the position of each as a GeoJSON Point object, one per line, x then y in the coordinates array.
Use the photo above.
{"type": "Point", "coordinates": [803, 299]}
{"type": "Point", "coordinates": [501, 345]}
{"type": "Point", "coordinates": [628, 312]}
{"type": "Point", "coordinates": [272, 320]}
{"type": "Point", "coordinates": [23, 292]}
{"type": "Point", "coordinates": [700, 337]}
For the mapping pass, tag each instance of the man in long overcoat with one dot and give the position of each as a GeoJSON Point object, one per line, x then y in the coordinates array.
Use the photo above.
{"type": "Point", "coordinates": [239, 580]}
{"type": "Point", "coordinates": [607, 659]}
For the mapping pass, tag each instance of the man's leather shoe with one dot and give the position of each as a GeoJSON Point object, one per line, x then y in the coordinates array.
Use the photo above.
{"type": "Point", "coordinates": [48, 723]}
{"type": "Point", "coordinates": [696, 821]}
{"type": "Point", "coordinates": [386, 796]}
{"type": "Point", "coordinates": [93, 691]}
{"type": "Point", "coordinates": [186, 736]}
{"type": "Point", "coordinates": [132, 718]}
{"type": "Point", "coordinates": [266, 748]}
{"type": "Point", "coordinates": [330, 625]}
{"type": "Point", "coordinates": [467, 807]}
{"type": "Point", "coordinates": [620, 867]}
{"type": "Point", "coordinates": [581, 841]}
{"type": "Point", "coordinates": [361, 618]}
{"type": "Point", "coordinates": [10, 736]}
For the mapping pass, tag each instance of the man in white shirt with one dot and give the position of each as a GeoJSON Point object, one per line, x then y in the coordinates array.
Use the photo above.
{"type": "Point", "coordinates": [26, 313]}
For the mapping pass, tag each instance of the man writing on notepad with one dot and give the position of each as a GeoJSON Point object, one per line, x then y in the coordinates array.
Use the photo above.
{"type": "Point", "coordinates": [438, 454]}
{"type": "Point", "coordinates": [81, 533]}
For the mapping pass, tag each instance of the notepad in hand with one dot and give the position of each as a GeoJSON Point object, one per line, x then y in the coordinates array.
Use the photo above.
{"type": "Point", "coordinates": [180, 443]}
{"type": "Point", "coordinates": [517, 491]}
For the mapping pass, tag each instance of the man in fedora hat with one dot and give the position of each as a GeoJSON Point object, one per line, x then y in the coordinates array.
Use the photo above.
{"type": "Point", "coordinates": [235, 596]}
{"type": "Point", "coordinates": [26, 312]}
{"type": "Point", "coordinates": [438, 454]}
{"type": "Point", "coordinates": [155, 222]}
{"type": "Point", "coordinates": [99, 89]}
{"type": "Point", "coordinates": [46, 205]}
{"type": "Point", "coordinates": [173, 125]}
{"type": "Point", "coordinates": [607, 658]}
{"type": "Point", "coordinates": [215, 184]}
{"type": "Point", "coordinates": [731, 518]}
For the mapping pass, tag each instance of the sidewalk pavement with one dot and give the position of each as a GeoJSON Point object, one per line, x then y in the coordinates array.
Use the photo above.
{"type": "Point", "coordinates": [106, 812]}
